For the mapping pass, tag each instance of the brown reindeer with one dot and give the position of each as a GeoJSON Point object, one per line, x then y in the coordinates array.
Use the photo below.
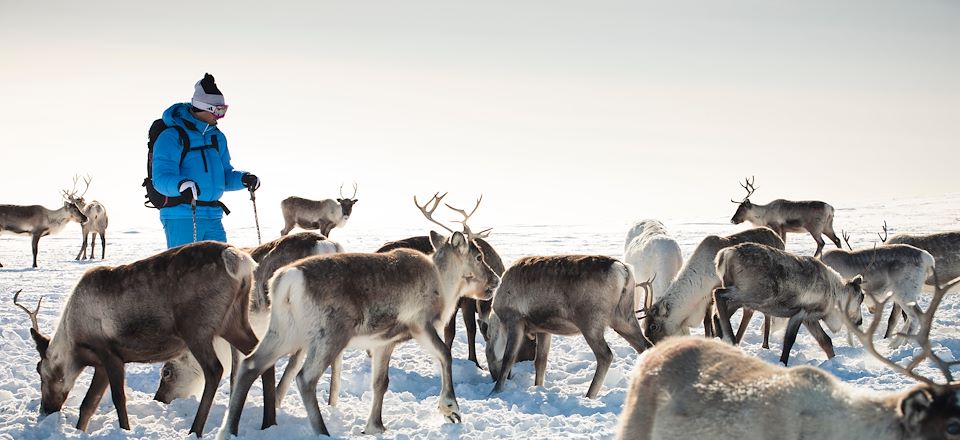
{"type": "Point", "coordinates": [469, 308]}
{"type": "Point", "coordinates": [324, 304]}
{"type": "Point", "coordinates": [788, 216]}
{"type": "Point", "coordinates": [96, 220]}
{"type": "Point", "coordinates": [37, 221]}
{"type": "Point", "coordinates": [182, 376]}
{"type": "Point", "coordinates": [313, 214]}
{"type": "Point", "coordinates": [697, 388]}
{"type": "Point", "coordinates": [562, 295]}
{"type": "Point", "coordinates": [147, 311]}
{"type": "Point", "coordinates": [779, 284]}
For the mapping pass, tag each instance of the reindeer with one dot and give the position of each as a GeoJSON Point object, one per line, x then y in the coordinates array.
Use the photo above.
{"type": "Point", "coordinates": [312, 214]}
{"type": "Point", "coordinates": [896, 268]}
{"type": "Point", "coordinates": [787, 216]}
{"type": "Point", "coordinates": [324, 304]}
{"type": "Point", "coordinates": [182, 376]}
{"type": "Point", "coordinates": [784, 285]}
{"type": "Point", "coordinates": [654, 254]}
{"type": "Point", "coordinates": [37, 221]}
{"type": "Point", "coordinates": [563, 295]}
{"type": "Point", "coordinates": [688, 300]}
{"type": "Point", "coordinates": [147, 311]}
{"type": "Point", "coordinates": [943, 246]}
{"type": "Point", "coordinates": [469, 308]}
{"type": "Point", "coordinates": [96, 220]}
{"type": "Point", "coordinates": [697, 388]}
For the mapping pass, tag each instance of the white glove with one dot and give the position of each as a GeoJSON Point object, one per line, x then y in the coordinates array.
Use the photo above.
{"type": "Point", "coordinates": [191, 186]}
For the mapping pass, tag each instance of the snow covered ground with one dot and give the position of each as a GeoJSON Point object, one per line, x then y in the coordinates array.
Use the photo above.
{"type": "Point", "coordinates": [557, 410]}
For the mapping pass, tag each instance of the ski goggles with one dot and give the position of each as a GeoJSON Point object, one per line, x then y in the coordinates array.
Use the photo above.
{"type": "Point", "coordinates": [218, 110]}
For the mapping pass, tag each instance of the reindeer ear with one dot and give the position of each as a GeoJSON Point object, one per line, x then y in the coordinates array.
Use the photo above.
{"type": "Point", "coordinates": [857, 281]}
{"type": "Point", "coordinates": [460, 243]}
{"type": "Point", "coordinates": [339, 200]}
{"type": "Point", "coordinates": [437, 240]}
{"type": "Point", "coordinates": [355, 200]}
{"type": "Point", "coordinates": [913, 408]}
{"type": "Point", "coordinates": [42, 342]}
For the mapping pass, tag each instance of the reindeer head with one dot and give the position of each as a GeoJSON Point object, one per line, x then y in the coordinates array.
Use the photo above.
{"type": "Point", "coordinates": [346, 203]}
{"type": "Point", "coordinates": [477, 279]}
{"type": "Point", "coordinates": [851, 299]}
{"type": "Point", "coordinates": [744, 205]}
{"type": "Point", "coordinates": [74, 203]}
{"type": "Point", "coordinates": [657, 324]}
{"type": "Point", "coordinates": [930, 409]}
{"type": "Point", "coordinates": [57, 374]}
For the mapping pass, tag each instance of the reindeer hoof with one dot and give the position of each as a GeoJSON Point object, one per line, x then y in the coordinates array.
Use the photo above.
{"type": "Point", "coordinates": [374, 429]}
{"type": "Point", "coordinates": [450, 410]}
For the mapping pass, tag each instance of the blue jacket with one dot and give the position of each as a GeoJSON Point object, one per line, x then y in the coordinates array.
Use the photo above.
{"type": "Point", "coordinates": [209, 167]}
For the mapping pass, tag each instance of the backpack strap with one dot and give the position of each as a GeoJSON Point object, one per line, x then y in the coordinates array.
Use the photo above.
{"type": "Point", "coordinates": [184, 141]}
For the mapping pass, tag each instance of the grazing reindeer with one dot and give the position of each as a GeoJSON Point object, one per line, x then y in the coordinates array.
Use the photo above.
{"type": "Point", "coordinates": [654, 254]}
{"type": "Point", "coordinates": [147, 311]}
{"type": "Point", "coordinates": [312, 214]}
{"type": "Point", "coordinates": [563, 295]}
{"type": "Point", "coordinates": [37, 221]}
{"type": "Point", "coordinates": [182, 376]}
{"type": "Point", "coordinates": [697, 388]}
{"type": "Point", "coordinates": [469, 308]}
{"type": "Point", "coordinates": [324, 304]}
{"type": "Point", "coordinates": [688, 300]}
{"type": "Point", "coordinates": [897, 268]}
{"type": "Point", "coordinates": [783, 285]}
{"type": "Point", "coordinates": [788, 216]}
{"type": "Point", "coordinates": [96, 220]}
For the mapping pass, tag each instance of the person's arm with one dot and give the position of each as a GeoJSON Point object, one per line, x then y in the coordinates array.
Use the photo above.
{"type": "Point", "coordinates": [166, 163]}
{"type": "Point", "coordinates": [231, 176]}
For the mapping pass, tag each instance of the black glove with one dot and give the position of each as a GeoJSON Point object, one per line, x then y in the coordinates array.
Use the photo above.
{"type": "Point", "coordinates": [250, 181]}
{"type": "Point", "coordinates": [189, 189]}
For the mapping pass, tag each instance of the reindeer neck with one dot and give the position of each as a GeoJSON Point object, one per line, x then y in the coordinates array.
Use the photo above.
{"type": "Point", "coordinates": [450, 280]}
{"type": "Point", "coordinates": [59, 216]}
{"type": "Point", "coordinates": [757, 213]}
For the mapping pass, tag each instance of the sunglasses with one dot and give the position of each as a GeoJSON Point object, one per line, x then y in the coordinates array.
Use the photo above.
{"type": "Point", "coordinates": [217, 110]}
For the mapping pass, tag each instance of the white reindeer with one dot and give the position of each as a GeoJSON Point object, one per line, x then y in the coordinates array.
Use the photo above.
{"type": "Point", "coordinates": [96, 220]}
{"type": "Point", "coordinates": [655, 255]}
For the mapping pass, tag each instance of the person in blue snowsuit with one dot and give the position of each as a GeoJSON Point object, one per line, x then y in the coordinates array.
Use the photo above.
{"type": "Point", "coordinates": [204, 173]}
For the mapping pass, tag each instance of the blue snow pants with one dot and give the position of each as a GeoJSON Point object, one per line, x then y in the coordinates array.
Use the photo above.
{"type": "Point", "coordinates": [179, 231]}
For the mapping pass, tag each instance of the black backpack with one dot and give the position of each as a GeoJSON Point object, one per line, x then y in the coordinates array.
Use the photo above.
{"type": "Point", "coordinates": [154, 198]}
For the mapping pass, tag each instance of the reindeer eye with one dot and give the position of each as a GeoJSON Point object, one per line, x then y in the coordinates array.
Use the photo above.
{"type": "Point", "coordinates": [654, 326]}
{"type": "Point", "coordinates": [953, 428]}
{"type": "Point", "coordinates": [479, 257]}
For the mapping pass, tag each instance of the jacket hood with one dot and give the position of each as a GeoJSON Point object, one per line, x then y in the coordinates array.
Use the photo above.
{"type": "Point", "coordinates": [179, 114]}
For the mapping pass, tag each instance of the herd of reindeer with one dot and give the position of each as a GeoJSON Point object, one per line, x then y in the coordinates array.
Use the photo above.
{"type": "Point", "coordinates": [214, 309]}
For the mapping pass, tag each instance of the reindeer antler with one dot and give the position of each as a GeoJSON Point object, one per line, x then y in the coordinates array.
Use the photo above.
{"type": "Point", "coordinates": [883, 238]}
{"type": "Point", "coordinates": [33, 314]}
{"type": "Point", "coordinates": [86, 181]}
{"type": "Point", "coordinates": [846, 239]}
{"type": "Point", "coordinates": [428, 213]}
{"type": "Point", "coordinates": [354, 191]}
{"type": "Point", "coordinates": [748, 186]}
{"type": "Point", "coordinates": [648, 293]}
{"type": "Point", "coordinates": [466, 229]}
{"type": "Point", "coordinates": [922, 338]}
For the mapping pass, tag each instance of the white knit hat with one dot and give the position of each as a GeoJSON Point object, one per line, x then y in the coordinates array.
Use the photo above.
{"type": "Point", "coordinates": [206, 94]}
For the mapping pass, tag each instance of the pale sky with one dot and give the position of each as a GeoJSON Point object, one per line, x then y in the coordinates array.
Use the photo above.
{"type": "Point", "coordinates": [559, 112]}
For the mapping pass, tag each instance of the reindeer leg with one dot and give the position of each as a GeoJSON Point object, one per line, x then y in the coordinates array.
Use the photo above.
{"type": "Point", "coordinates": [892, 321]}
{"type": "Point", "coordinates": [268, 379]}
{"type": "Point", "coordinates": [115, 372]}
{"type": "Point", "coordinates": [212, 372]}
{"type": "Point", "coordinates": [821, 336]}
{"type": "Point", "coordinates": [83, 248]}
{"type": "Point", "coordinates": [380, 365]}
{"type": "Point", "coordinates": [450, 330]}
{"type": "Point", "coordinates": [35, 245]}
{"type": "Point", "coordinates": [708, 324]}
{"type": "Point", "coordinates": [246, 373]}
{"type": "Point", "coordinates": [98, 385]}
{"type": "Point", "coordinates": [767, 322]}
{"type": "Point", "coordinates": [790, 337]}
{"type": "Point", "coordinates": [724, 312]}
{"type": "Point", "coordinates": [469, 310]}
{"type": "Point", "coordinates": [103, 246]}
{"type": "Point", "coordinates": [307, 379]}
{"type": "Point", "coordinates": [820, 242]}
{"type": "Point", "coordinates": [335, 368]}
{"type": "Point", "coordinates": [428, 338]}
{"type": "Point", "coordinates": [744, 322]}
{"type": "Point", "coordinates": [604, 357]}
{"type": "Point", "coordinates": [294, 365]}
{"type": "Point", "coordinates": [540, 361]}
